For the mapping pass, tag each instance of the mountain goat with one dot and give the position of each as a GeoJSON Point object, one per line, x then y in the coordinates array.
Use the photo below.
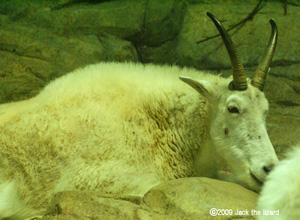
{"type": "Point", "coordinates": [124, 128]}
{"type": "Point", "coordinates": [280, 195]}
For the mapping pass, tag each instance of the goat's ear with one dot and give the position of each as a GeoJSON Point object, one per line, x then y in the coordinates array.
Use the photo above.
{"type": "Point", "coordinates": [205, 88]}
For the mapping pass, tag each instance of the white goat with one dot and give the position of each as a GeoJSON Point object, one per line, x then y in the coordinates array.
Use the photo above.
{"type": "Point", "coordinates": [124, 128]}
{"type": "Point", "coordinates": [280, 195]}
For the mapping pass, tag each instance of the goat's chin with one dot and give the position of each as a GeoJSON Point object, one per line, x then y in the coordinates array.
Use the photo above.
{"type": "Point", "coordinates": [246, 180]}
{"type": "Point", "coordinates": [250, 182]}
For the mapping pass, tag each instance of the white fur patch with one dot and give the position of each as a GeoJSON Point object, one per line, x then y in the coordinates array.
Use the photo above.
{"type": "Point", "coordinates": [11, 207]}
{"type": "Point", "coordinates": [282, 189]}
{"type": "Point", "coordinates": [9, 201]}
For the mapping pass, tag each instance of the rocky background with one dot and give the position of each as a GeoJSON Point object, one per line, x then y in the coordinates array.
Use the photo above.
{"type": "Point", "coordinates": [42, 40]}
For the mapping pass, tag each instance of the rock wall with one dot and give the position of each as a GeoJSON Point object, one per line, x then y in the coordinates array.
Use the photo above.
{"type": "Point", "coordinates": [42, 40]}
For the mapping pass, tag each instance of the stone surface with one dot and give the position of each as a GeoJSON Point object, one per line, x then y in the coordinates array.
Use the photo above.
{"type": "Point", "coordinates": [188, 198]}
{"type": "Point", "coordinates": [162, 22]}
{"type": "Point", "coordinates": [251, 39]}
{"type": "Point", "coordinates": [146, 31]}
{"type": "Point", "coordinates": [91, 205]}
{"type": "Point", "coordinates": [193, 198]}
{"type": "Point", "coordinates": [31, 57]}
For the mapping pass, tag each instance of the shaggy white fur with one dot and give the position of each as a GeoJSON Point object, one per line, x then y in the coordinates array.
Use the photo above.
{"type": "Point", "coordinates": [282, 190]}
{"type": "Point", "coordinates": [124, 128]}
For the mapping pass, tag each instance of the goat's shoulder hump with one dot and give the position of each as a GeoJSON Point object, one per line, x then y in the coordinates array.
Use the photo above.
{"type": "Point", "coordinates": [124, 75]}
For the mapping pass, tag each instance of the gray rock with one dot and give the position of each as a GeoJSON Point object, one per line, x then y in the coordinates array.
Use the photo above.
{"type": "Point", "coordinates": [33, 56]}
{"type": "Point", "coordinates": [122, 19]}
{"type": "Point", "coordinates": [162, 22]}
{"type": "Point", "coordinates": [92, 205]}
{"type": "Point", "coordinates": [251, 39]}
{"type": "Point", "coordinates": [188, 198]}
{"type": "Point", "coordinates": [158, 55]}
{"type": "Point", "coordinates": [193, 198]}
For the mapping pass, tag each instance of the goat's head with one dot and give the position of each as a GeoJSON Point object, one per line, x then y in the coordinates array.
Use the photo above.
{"type": "Point", "coordinates": [239, 109]}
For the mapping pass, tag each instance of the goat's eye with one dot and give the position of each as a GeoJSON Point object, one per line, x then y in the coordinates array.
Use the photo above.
{"type": "Point", "coordinates": [233, 109]}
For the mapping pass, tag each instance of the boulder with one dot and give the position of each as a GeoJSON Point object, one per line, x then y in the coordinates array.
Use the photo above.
{"type": "Point", "coordinates": [194, 198]}
{"type": "Point", "coordinates": [187, 198]}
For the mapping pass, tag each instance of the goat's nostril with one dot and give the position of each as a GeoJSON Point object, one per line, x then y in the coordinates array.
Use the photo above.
{"type": "Point", "coordinates": [269, 168]}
